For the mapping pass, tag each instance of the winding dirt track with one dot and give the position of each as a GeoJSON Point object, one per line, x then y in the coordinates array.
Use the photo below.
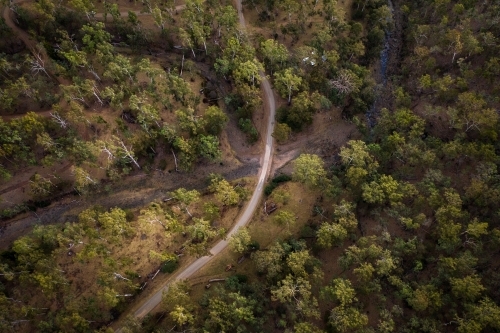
{"type": "Point", "coordinates": [248, 211]}
{"type": "Point", "coordinates": [246, 215]}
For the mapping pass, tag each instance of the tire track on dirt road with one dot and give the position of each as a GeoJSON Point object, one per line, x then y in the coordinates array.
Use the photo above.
{"type": "Point", "coordinates": [246, 215]}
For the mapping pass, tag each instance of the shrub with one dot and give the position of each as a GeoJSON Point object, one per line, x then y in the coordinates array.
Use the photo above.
{"type": "Point", "coordinates": [169, 266]}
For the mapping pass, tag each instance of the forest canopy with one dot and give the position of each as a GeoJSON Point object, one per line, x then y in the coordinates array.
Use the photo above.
{"type": "Point", "coordinates": [394, 228]}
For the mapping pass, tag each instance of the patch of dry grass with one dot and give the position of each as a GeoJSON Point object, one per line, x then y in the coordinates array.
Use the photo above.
{"type": "Point", "coordinates": [265, 231]}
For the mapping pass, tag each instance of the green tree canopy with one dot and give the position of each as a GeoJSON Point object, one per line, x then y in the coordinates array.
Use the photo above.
{"type": "Point", "coordinates": [309, 169]}
{"type": "Point", "coordinates": [287, 83]}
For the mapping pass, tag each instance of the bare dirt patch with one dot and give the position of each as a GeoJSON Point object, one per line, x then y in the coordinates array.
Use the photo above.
{"type": "Point", "coordinates": [131, 192]}
{"type": "Point", "coordinates": [324, 138]}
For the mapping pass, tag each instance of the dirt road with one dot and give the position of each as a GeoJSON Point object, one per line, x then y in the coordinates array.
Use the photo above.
{"type": "Point", "coordinates": [248, 211]}
{"type": "Point", "coordinates": [266, 161]}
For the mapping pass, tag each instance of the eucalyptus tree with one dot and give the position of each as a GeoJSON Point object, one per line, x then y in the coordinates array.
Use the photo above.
{"type": "Point", "coordinates": [309, 169]}
{"type": "Point", "coordinates": [287, 82]}
{"type": "Point", "coordinates": [240, 241]}
{"type": "Point", "coordinates": [275, 54]}
{"type": "Point", "coordinates": [185, 198]}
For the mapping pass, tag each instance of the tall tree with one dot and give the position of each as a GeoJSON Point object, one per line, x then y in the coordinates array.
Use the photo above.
{"type": "Point", "coordinates": [227, 17]}
{"type": "Point", "coordinates": [215, 120]}
{"type": "Point", "coordinates": [248, 72]}
{"type": "Point", "coordinates": [298, 292]}
{"type": "Point", "coordinates": [185, 198]}
{"type": "Point", "coordinates": [224, 192]}
{"type": "Point", "coordinates": [287, 82]}
{"type": "Point", "coordinates": [274, 53]}
{"type": "Point", "coordinates": [240, 240]}
{"type": "Point", "coordinates": [285, 218]}
{"type": "Point", "coordinates": [309, 169]}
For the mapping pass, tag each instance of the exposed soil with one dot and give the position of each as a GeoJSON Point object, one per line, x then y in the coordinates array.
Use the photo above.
{"type": "Point", "coordinates": [146, 188]}
{"type": "Point", "coordinates": [239, 160]}
{"type": "Point", "coordinates": [323, 137]}
{"type": "Point", "coordinates": [133, 192]}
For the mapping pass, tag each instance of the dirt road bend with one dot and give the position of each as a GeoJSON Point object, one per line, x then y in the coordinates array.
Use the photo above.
{"type": "Point", "coordinates": [248, 211]}
{"type": "Point", "coordinates": [251, 206]}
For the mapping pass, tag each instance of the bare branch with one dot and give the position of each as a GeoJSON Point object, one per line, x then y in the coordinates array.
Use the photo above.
{"type": "Point", "coordinates": [128, 153]}
{"type": "Point", "coordinates": [38, 65]}
{"type": "Point", "coordinates": [105, 149]}
{"type": "Point", "coordinates": [119, 276]}
{"type": "Point", "coordinates": [344, 83]}
{"type": "Point", "coordinates": [175, 160]}
{"type": "Point", "coordinates": [93, 72]}
{"type": "Point", "coordinates": [58, 119]}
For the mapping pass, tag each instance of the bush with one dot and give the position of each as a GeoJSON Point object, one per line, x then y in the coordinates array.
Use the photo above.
{"type": "Point", "coordinates": [129, 215]}
{"type": "Point", "coordinates": [276, 180]}
{"type": "Point", "coordinates": [282, 132]}
{"type": "Point", "coordinates": [169, 266]}
{"type": "Point", "coordinates": [254, 246]}
{"type": "Point", "coordinates": [247, 127]}
{"type": "Point", "coordinates": [8, 213]}
{"type": "Point", "coordinates": [132, 274]}
{"type": "Point", "coordinates": [307, 232]}
{"type": "Point", "coordinates": [283, 178]}
{"type": "Point", "coordinates": [270, 188]}
{"type": "Point", "coordinates": [241, 278]}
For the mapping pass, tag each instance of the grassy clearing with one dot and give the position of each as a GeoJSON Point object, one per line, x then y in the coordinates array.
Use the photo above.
{"type": "Point", "coordinates": [265, 231]}
{"type": "Point", "coordinates": [130, 257]}
{"type": "Point", "coordinates": [227, 219]}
